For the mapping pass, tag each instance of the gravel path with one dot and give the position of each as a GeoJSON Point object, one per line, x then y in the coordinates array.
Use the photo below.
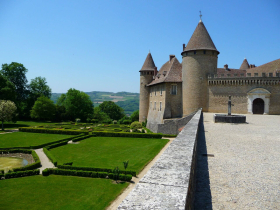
{"type": "Point", "coordinates": [45, 162]}
{"type": "Point", "coordinates": [245, 170]}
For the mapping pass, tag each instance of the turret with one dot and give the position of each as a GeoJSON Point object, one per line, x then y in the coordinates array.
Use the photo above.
{"type": "Point", "coordinates": [146, 76]}
{"type": "Point", "coordinates": [200, 58]}
{"type": "Point", "coordinates": [245, 64]}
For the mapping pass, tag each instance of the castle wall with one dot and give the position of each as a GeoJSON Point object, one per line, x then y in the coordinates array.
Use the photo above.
{"type": "Point", "coordinates": [218, 97]}
{"type": "Point", "coordinates": [145, 78]}
{"type": "Point", "coordinates": [173, 107]}
{"type": "Point", "coordinates": [155, 114]}
{"type": "Point", "coordinates": [195, 70]}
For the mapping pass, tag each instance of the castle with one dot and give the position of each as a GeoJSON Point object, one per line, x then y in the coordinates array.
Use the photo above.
{"type": "Point", "coordinates": [179, 89]}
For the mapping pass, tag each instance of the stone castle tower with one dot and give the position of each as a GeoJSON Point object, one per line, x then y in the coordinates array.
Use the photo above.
{"type": "Point", "coordinates": [146, 76]}
{"type": "Point", "coordinates": [200, 58]}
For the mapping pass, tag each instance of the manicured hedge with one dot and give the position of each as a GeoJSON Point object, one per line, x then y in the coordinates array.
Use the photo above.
{"type": "Point", "coordinates": [53, 131]}
{"type": "Point", "coordinates": [76, 168]}
{"type": "Point", "coordinates": [50, 156]}
{"type": "Point", "coordinates": [21, 174]}
{"type": "Point", "coordinates": [6, 151]}
{"type": "Point", "coordinates": [57, 144]}
{"type": "Point", "coordinates": [169, 135]}
{"type": "Point", "coordinates": [131, 135]}
{"type": "Point", "coordinates": [79, 138]}
{"type": "Point", "coordinates": [31, 166]}
{"type": "Point", "coordinates": [91, 174]}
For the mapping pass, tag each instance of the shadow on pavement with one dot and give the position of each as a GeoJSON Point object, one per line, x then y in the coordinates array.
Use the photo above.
{"type": "Point", "coordinates": [203, 197]}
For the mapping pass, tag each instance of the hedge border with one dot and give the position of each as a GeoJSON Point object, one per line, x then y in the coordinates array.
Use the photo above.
{"type": "Point", "coordinates": [21, 174]}
{"type": "Point", "coordinates": [91, 174]}
{"type": "Point", "coordinates": [77, 168]}
{"type": "Point", "coordinates": [52, 131]}
{"type": "Point", "coordinates": [50, 156]}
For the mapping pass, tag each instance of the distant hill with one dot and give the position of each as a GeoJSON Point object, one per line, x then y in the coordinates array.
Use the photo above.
{"type": "Point", "coordinates": [128, 101]}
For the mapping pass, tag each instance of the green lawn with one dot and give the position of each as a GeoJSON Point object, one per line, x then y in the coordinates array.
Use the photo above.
{"type": "Point", "coordinates": [24, 139]}
{"type": "Point", "coordinates": [109, 152]}
{"type": "Point", "coordinates": [58, 192]}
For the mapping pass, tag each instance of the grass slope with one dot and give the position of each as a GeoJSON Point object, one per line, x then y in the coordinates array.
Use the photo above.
{"type": "Point", "coordinates": [109, 152]}
{"type": "Point", "coordinates": [23, 139]}
{"type": "Point", "coordinates": [58, 192]}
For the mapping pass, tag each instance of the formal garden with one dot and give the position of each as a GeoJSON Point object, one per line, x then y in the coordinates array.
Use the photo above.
{"type": "Point", "coordinates": [93, 162]}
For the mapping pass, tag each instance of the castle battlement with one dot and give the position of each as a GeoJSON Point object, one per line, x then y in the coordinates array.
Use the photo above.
{"type": "Point", "coordinates": [244, 81]}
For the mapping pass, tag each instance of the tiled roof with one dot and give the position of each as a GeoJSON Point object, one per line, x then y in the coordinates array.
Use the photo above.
{"type": "Point", "coordinates": [245, 64]}
{"type": "Point", "coordinates": [200, 39]}
{"type": "Point", "coordinates": [231, 72]}
{"type": "Point", "coordinates": [171, 71]}
{"type": "Point", "coordinates": [149, 63]}
{"type": "Point", "coordinates": [270, 67]}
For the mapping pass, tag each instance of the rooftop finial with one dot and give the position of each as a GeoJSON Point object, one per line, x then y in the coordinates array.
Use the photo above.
{"type": "Point", "coordinates": [200, 16]}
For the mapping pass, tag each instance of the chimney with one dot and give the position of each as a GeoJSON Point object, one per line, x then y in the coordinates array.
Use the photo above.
{"type": "Point", "coordinates": [155, 72]}
{"type": "Point", "coordinates": [170, 57]}
{"type": "Point", "coordinates": [184, 46]}
{"type": "Point", "coordinates": [226, 67]}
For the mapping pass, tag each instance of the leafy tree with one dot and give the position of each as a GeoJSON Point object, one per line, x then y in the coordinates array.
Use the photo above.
{"type": "Point", "coordinates": [7, 89]}
{"type": "Point", "coordinates": [38, 87]}
{"type": "Point", "coordinates": [77, 104]}
{"type": "Point", "coordinates": [60, 113]}
{"type": "Point", "coordinates": [112, 110]}
{"type": "Point", "coordinates": [43, 109]}
{"type": "Point", "coordinates": [16, 73]}
{"type": "Point", "coordinates": [135, 116]}
{"type": "Point", "coordinates": [136, 125]}
{"type": "Point", "coordinates": [99, 115]}
{"type": "Point", "coordinates": [7, 111]}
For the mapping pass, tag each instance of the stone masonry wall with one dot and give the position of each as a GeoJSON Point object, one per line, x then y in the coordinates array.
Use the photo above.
{"type": "Point", "coordinates": [218, 97]}
{"type": "Point", "coordinates": [170, 183]}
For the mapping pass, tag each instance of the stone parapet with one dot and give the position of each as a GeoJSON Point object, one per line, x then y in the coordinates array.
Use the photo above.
{"type": "Point", "coordinates": [244, 81]}
{"type": "Point", "coordinates": [170, 183]}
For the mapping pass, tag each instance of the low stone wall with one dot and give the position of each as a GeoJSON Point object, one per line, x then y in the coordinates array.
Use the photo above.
{"type": "Point", "coordinates": [172, 126]}
{"type": "Point", "coordinates": [170, 183]}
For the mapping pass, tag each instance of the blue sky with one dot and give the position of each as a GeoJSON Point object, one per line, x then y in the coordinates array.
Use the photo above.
{"type": "Point", "coordinates": [101, 45]}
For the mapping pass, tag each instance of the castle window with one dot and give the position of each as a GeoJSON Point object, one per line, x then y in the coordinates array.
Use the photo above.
{"type": "Point", "coordinates": [155, 91]}
{"type": "Point", "coordinates": [161, 90]}
{"type": "Point", "coordinates": [194, 52]}
{"type": "Point", "coordinates": [222, 75]}
{"type": "Point", "coordinates": [270, 74]}
{"type": "Point", "coordinates": [277, 74]}
{"type": "Point", "coordinates": [228, 75]}
{"type": "Point", "coordinates": [263, 74]}
{"type": "Point", "coordinates": [204, 51]}
{"type": "Point", "coordinates": [173, 89]}
{"type": "Point", "coordinates": [242, 75]}
{"type": "Point", "coordinates": [151, 105]}
{"type": "Point", "coordinates": [155, 106]}
{"type": "Point", "coordinates": [212, 52]}
{"type": "Point", "coordinates": [248, 74]}
{"type": "Point", "coordinates": [256, 74]}
{"type": "Point", "coordinates": [235, 75]}
{"type": "Point", "coordinates": [159, 106]}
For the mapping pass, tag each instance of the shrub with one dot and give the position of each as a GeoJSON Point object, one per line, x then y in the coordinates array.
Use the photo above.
{"type": "Point", "coordinates": [45, 172]}
{"type": "Point", "coordinates": [76, 168]}
{"type": "Point", "coordinates": [68, 164]}
{"type": "Point", "coordinates": [21, 174]}
{"type": "Point", "coordinates": [135, 125]}
{"type": "Point", "coordinates": [50, 156]}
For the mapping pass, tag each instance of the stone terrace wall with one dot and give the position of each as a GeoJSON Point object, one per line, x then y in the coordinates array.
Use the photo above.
{"type": "Point", "coordinates": [172, 126]}
{"type": "Point", "coordinates": [170, 183]}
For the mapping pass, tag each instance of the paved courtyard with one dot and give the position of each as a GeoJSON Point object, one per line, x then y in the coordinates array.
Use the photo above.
{"type": "Point", "coordinates": [243, 162]}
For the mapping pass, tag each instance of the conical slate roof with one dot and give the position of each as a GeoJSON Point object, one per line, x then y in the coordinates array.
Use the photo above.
{"type": "Point", "coordinates": [148, 64]}
{"type": "Point", "coordinates": [245, 64]}
{"type": "Point", "coordinates": [200, 39]}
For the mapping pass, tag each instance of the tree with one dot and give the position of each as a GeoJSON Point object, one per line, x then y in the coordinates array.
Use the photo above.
{"type": "Point", "coordinates": [7, 111]}
{"type": "Point", "coordinates": [99, 115]}
{"type": "Point", "coordinates": [112, 110]}
{"type": "Point", "coordinates": [77, 104]}
{"type": "Point", "coordinates": [135, 116]}
{"type": "Point", "coordinates": [16, 73]}
{"type": "Point", "coordinates": [7, 89]}
{"type": "Point", "coordinates": [43, 109]}
{"type": "Point", "coordinates": [38, 87]}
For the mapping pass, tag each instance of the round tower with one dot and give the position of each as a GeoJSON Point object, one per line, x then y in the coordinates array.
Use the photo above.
{"type": "Point", "coordinates": [200, 58]}
{"type": "Point", "coordinates": [146, 77]}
